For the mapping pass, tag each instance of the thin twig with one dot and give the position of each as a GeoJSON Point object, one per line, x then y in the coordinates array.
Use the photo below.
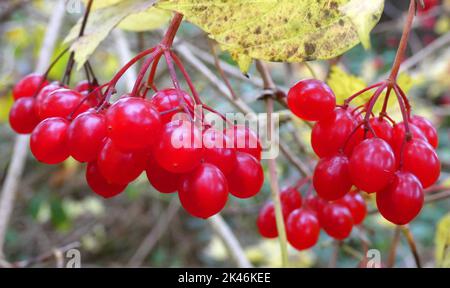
{"type": "Point", "coordinates": [412, 245]}
{"type": "Point", "coordinates": [394, 245]}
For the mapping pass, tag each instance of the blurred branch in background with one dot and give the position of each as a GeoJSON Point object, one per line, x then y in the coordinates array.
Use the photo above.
{"type": "Point", "coordinates": [19, 154]}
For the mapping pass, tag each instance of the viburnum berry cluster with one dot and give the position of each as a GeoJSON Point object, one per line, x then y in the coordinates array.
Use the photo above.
{"type": "Point", "coordinates": [304, 218]}
{"type": "Point", "coordinates": [162, 134]}
{"type": "Point", "coordinates": [374, 153]}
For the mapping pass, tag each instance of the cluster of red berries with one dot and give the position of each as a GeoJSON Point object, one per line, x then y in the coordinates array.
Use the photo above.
{"type": "Point", "coordinates": [394, 160]}
{"type": "Point", "coordinates": [120, 141]}
{"type": "Point", "coordinates": [304, 219]}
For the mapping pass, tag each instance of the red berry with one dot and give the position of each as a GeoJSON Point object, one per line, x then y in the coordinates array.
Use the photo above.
{"type": "Point", "coordinates": [28, 86]}
{"type": "Point", "coordinates": [302, 229]}
{"type": "Point", "coordinates": [133, 123]}
{"type": "Point", "coordinates": [398, 135]}
{"type": "Point", "coordinates": [247, 178]}
{"type": "Point", "coordinates": [266, 222]}
{"type": "Point", "coordinates": [336, 219]}
{"type": "Point", "coordinates": [311, 100]}
{"type": "Point", "coordinates": [218, 150]}
{"type": "Point", "coordinates": [99, 184]}
{"type": "Point", "coordinates": [84, 87]}
{"type": "Point", "coordinates": [382, 128]}
{"type": "Point", "coordinates": [245, 140]}
{"type": "Point", "coordinates": [315, 204]}
{"type": "Point", "coordinates": [162, 180]}
{"type": "Point", "coordinates": [62, 103]}
{"type": "Point", "coordinates": [179, 149]}
{"type": "Point", "coordinates": [86, 135]}
{"type": "Point", "coordinates": [427, 130]}
{"type": "Point", "coordinates": [291, 199]}
{"type": "Point", "coordinates": [204, 191]}
{"type": "Point", "coordinates": [329, 135]}
{"type": "Point", "coordinates": [22, 116]}
{"type": "Point", "coordinates": [372, 165]}
{"type": "Point", "coordinates": [48, 141]}
{"type": "Point", "coordinates": [44, 94]}
{"type": "Point", "coordinates": [120, 167]}
{"type": "Point", "coordinates": [170, 99]}
{"type": "Point", "coordinates": [402, 200]}
{"type": "Point", "coordinates": [332, 178]}
{"type": "Point", "coordinates": [357, 206]}
{"type": "Point", "coordinates": [420, 159]}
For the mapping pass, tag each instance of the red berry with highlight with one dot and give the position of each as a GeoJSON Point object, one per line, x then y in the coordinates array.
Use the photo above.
{"type": "Point", "coordinates": [420, 159]}
{"type": "Point", "coordinates": [266, 222]}
{"type": "Point", "coordinates": [336, 219]}
{"type": "Point", "coordinates": [86, 136]}
{"type": "Point", "coordinates": [332, 178]}
{"type": "Point", "coordinates": [99, 184]}
{"type": "Point", "coordinates": [28, 86]}
{"type": "Point", "coordinates": [372, 165]}
{"type": "Point", "coordinates": [48, 141]}
{"type": "Point", "coordinates": [311, 100]}
{"type": "Point", "coordinates": [204, 191]}
{"type": "Point", "coordinates": [22, 116]}
{"type": "Point", "coordinates": [402, 200]}
{"type": "Point", "coordinates": [167, 100]}
{"type": "Point", "coordinates": [161, 179]}
{"type": "Point", "coordinates": [302, 229]}
{"type": "Point", "coordinates": [179, 149]}
{"type": "Point", "coordinates": [247, 178]}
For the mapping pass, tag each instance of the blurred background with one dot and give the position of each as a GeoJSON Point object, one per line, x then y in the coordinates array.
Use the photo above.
{"type": "Point", "coordinates": [54, 207]}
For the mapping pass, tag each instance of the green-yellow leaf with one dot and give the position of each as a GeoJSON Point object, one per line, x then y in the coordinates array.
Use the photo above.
{"type": "Point", "coordinates": [442, 241]}
{"type": "Point", "coordinates": [150, 19]}
{"type": "Point", "coordinates": [282, 30]}
{"type": "Point", "coordinates": [100, 24]}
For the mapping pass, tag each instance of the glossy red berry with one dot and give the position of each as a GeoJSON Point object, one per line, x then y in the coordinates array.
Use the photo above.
{"type": "Point", "coordinates": [398, 135]}
{"type": "Point", "coordinates": [62, 103]}
{"type": "Point", "coordinates": [247, 177]}
{"type": "Point", "coordinates": [266, 221]}
{"type": "Point", "coordinates": [357, 206]}
{"type": "Point", "coordinates": [315, 204]}
{"type": "Point", "coordinates": [120, 167]}
{"type": "Point", "coordinates": [133, 124]}
{"type": "Point", "coordinates": [169, 99]}
{"type": "Point", "coordinates": [22, 116]}
{"type": "Point", "coordinates": [179, 149]}
{"type": "Point", "coordinates": [44, 94]}
{"type": "Point", "coordinates": [245, 140]}
{"type": "Point", "coordinates": [332, 178]}
{"type": "Point", "coordinates": [329, 135]}
{"type": "Point", "coordinates": [199, 196]}
{"type": "Point", "coordinates": [162, 180]}
{"type": "Point", "coordinates": [427, 129]}
{"type": "Point", "coordinates": [382, 128]}
{"type": "Point", "coordinates": [99, 184]}
{"type": "Point", "coordinates": [84, 87]}
{"type": "Point", "coordinates": [311, 100]}
{"type": "Point", "coordinates": [372, 165]}
{"type": "Point", "coordinates": [291, 199]}
{"type": "Point", "coordinates": [302, 229]}
{"type": "Point", "coordinates": [402, 200]}
{"type": "Point", "coordinates": [337, 220]}
{"type": "Point", "coordinates": [86, 135]}
{"type": "Point", "coordinates": [420, 159]}
{"type": "Point", "coordinates": [28, 86]}
{"type": "Point", "coordinates": [218, 150]}
{"type": "Point", "coordinates": [48, 141]}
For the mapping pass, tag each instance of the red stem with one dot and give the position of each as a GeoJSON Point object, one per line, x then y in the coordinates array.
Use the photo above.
{"type": "Point", "coordinates": [144, 69]}
{"type": "Point", "coordinates": [350, 99]}
{"type": "Point", "coordinates": [403, 42]}
{"type": "Point", "coordinates": [187, 78]}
